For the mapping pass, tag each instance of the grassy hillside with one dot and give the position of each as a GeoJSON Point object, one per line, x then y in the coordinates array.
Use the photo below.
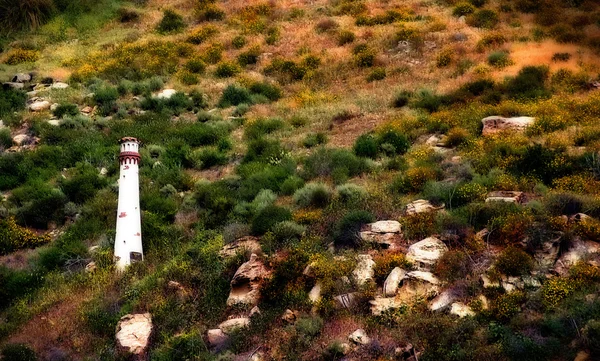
{"type": "Point", "coordinates": [298, 124]}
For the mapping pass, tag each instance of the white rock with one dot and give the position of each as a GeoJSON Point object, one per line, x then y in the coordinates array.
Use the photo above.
{"type": "Point", "coordinates": [420, 206]}
{"type": "Point", "coordinates": [385, 240]}
{"type": "Point", "coordinates": [234, 324]}
{"type": "Point", "coordinates": [247, 245]}
{"type": "Point", "coordinates": [390, 286]}
{"type": "Point", "coordinates": [21, 78]}
{"type": "Point", "coordinates": [385, 227]}
{"type": "Point", "coordinates": [103, 171]}
{"type": "Point", "coordinates": [54, 106]}
{"type": "Point", "coordinates": [495, 124]}
{"type": "Point", "coordinates": [359, 337]}
{"type": "Point", "coordinates": [380, 305]}
{"type": "Point", "coordinates": [461, 310]}
{"type": "Point", "coordinates": [133, 333]}
{"type": "Point", "coordinates": [578, 251]}
{"type": "Point", "coordinates": [40, 105]}
{"type": "Point", "coordinates": [364, 269]}
{"type": "Point", "coordinates": [442, 301]}
{"type": "Point", "coordinates": [54, 122]}
{"type": "Point", "coordinates": [166, 94]}
{"type": "Point", "coordinates": [315, 293]}
{"type": "Point", "coordinates": [13, 85]}
{"type": "Point", "coordinates": [245, 285]}
{"type": "Point", "coordinates": [488, 283]}
{"type": "Point", "coordinates": [20, 139]}
{"type": "Point", "coordinates": [217, 339]}
{"type": "Point", "coordinates": [289, 316]}
{"type": "Point", "coordinates": [59, 85]}
{"type": "Point", "coordinates": [425, 253]}
{"type": "Point", "coordinates": [505, 196]}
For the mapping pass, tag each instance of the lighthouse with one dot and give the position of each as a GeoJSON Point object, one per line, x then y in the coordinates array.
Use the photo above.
{"type": "Point", "coordinates": [128, 238]}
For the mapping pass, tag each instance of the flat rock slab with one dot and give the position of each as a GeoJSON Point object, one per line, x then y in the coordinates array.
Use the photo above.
{"type": "Point", "coordinates": [506, 196]}
{"type": "Point", "coordinates": [426, 252]}
{"type": "Point", "coordinates": [421, 206]}
{"type": "Point", "coordinates": [496, 124]}
{"type": "Point", "coordinates": [40, 106]}
{"type": "Point", "coordinates": [385, 227]}
{"type": "Point", "coordinates": [364, 269]}
{"type": "Point", "coordinates": [133, 333]}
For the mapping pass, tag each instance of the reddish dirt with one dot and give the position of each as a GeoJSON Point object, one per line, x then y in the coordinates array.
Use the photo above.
{"type": "Point", "coordinates": [343, 134]}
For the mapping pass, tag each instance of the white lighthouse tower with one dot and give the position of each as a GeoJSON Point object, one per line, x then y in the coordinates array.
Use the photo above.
{"type": "Point", "coordinates": [128, 239]}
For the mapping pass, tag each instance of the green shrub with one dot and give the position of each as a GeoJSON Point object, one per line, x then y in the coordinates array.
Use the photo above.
{"type": "Point", "coordinates": [249, 57]}
{"type": "Point", "coordinates": [529, 83]}
{"type": "Point", "coordinates": [195, 66]}
{"type": "Point", "coordinates": [239, 41]}
{"type": "Point", "coordinates": [376, 74]}
{"type": "Point", "coordinates": [14, 237]}
{"type": "Point", "coordinates": [314, 139]}
{"type": "Point", "coordinates": [66, 109]}
{"type": "Point", "coordinates": [272, 35]}
{"type": "Point", "coordinates": [313, 195]}
{"type": "Point", "coordinates": [11, 101]}
{"type": "Point", "coordinates": [234, 95]}
{"type": "Point", "coordinates": [5, 139]}
{"type": "Point", "coordinates": [514, 262]}
{"type": "Point", "coordinates": [128, 15]}
{"type": "Point", "coordinates": [83, 185]}
{"type": "Point", "coordinates": [339, 163]}
{"type": "Point", "coordinates": [561, 57]}
{"type": "Point", "coordinates": [346, 232]}
{"type": "Point", "coordinates": [263, 150]}
{"type": "Point", "coordinates": [364, 56]}
{"type": "Point", "coordinates": [309, 326]}
{"type": "Point", "coordinates": [393, 142]}
{"type": "Point", "coordinates": [452, 266]}
{"type": "Point", "coordinates": [286, 70]}
{"type": "Point", "coordinates": [270, 91]}
{"type": "Point", "coordinates": [345, 37]}
{"type": "Point", "coordinates": [591, 334]}
{"type": "Point", "coordinates": [287, 232]}
{"type": "Point", "coordinates": [401, 99]}
{"type": "Point", "coordinates": [202, 34]}
{"type": "Point", "coordinates": [366, 145]}
{"type": "Point", "coordinates": [182, 347]}
{"type": "Point", "coordinates": [38, 204]}
{"type": "Point", "coordinates": [209, 13]}
{"type": "Point", "coordinates": [291, 184]}
{"type": "Point", "coordinates": [351, 193]}
{"type": "Point", "coordinates": [209, 157]}
{"type": "Point", "coordinates": [463, 8]}
{"type": "Point", "coordinates": [106, 99]}
{"type": "Point", "coordinates": [171, 22]}
{"type": "Point", "coordinates": [268, 217]}
{"type": "Point", "coordinates": [227, 69]}
{"type": "Point", "coordinates": [499, 59]}
{"type": "Point", "coordinates": [261, 127]}
{"type": "Point", "coordinates": [485, 18]}
{"type": "Point", "coordinates": [213, 54]}
{"type": "Point", "coordinates": [18, 352]}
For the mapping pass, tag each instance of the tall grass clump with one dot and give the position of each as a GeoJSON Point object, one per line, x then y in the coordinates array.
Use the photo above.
{"type": "Point", "coordinates": [16, 15]}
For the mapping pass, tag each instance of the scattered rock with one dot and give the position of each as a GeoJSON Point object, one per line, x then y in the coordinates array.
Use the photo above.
{"type": "Point", "coordinates": [421, 206]}
{"type": "Point", "coordinates": [233, 324]}
{"type": "Point", "coordinates": [59, 85]}
{"type": "Point", "coordinates": [461, 310]}
{"type": "Point", "coordinates": [488, 283]}
{"type": "Point", "coordinates": [390, 286]}
{"type": "Point", "coordinates": [364, 269]}
{"type": "Point", "coordinates": [133, 334]}
{"type": "Point", "coordinates": [247, 245]}
{"type": "Point", "coordinates": [245, 285]}
{"type": "Point", "coordinates": [40, 105]}
{"type": "Point", "coordinates": [54, 106]}
{"type": "Point", "coordinates": [217, 339]}
{"type": "Point", "coordinates": [426, 252]}
{"type": "Point", "coordinates": [578, 251]}
{"type": "Point", "coordinates": [87, 110]}
{"type": "Point", "coordinates": [418, 284]}
{"type": "Point", "coordinates": [484, 302]}
{"type": "Point", "coordinates": [289, 316]}
{"type": "Point", "coordinates": [442, 301]}
{"type": "Point", "coordinates": [54, 122]}
{"type": "Point", "coordinates": [103, 171]}
{"type": "Point", "coordinates": [21, 139]}
{"type": "Point", "coordinates": [385, 227]}
{"type": "Point", "coordinates": [315, 293]}
{"type": "Point", "coordinates": [506, 196]}
{"type": "Point", "coordinates": [90, 267]}
{"type": "Point", "coordinates": [495, 124]}
{"type": "Point", "coordinates": [21, 78]}
{"type": "Point", "coordinates": [359, 337]}
{"type": "Point", "coordinates": [380, 305]}
{"type": "Point", "coordinates": [15, 86]}
{"type": "Point", "coordinates": [166, 94]}
{"type": "Point", "coordinates": [547, 255]}
{"type": "Point", "coordinates": [579, 217]}
{"type": "Point", "coordinates": [346, 300]}
{"type": "Point", "coordinates": [385, 240]}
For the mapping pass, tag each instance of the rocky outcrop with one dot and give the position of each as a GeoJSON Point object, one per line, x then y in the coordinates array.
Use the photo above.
{"type": "Point", "coordinates": [21, 139]}
{"type": "Point", "coordinates": [166, 93]}
{"type": "Point", "coordinates": [421, 206]}
{"type": "Point", "coordinates": [386, 233]}
{"type": "Point", "coordinates": [392, 282]}
{"type": "Point", "coordinates": [496, 124]}
{"type": "Point", "coordinates": [39, 106]}
{"type": "Point", "coordinates": [59, 85]}
{"type": "Point", "coordinates": [442, 301]}
{"type": "Point", "coordinates": [418, 284]}
{"type": "Point", "coordinates": [217, 339]}
{"type": "Point", "coordinates": [359, 337]}
{"type": "Point", "coordinates": [289, 316]}
{"type": "Point", "coordinates": [379, 305]}
{"type": "Point", "coordinates": [506, 196]}
{"type": "Point", "coordinates": [364, 269]}
{"type": "Point", "coordinates": [133, 334]}
{"type": "Point", "coordinates": [245, 285]}
{"type": "Point", "coordinates": [461, 310]}
{"type": "Point", "coordinates": [315, 293]}
{"type": "Point", "coordinates": [234, 324]}
{"type": "Point", "coordinates": [13, 85]}
{"type": "Point", "coordinates": [247, 245]}
{"type": "Point", "coordinates": [578, 251]}
{"type": "Point", "coordinates": [425, 253]}
{"type": "Point", "coordinates": [346, 300]}
{"type": "Point", "coordinates": [386, 227]}
{"type": "Point", "coordinates": [21, 78]}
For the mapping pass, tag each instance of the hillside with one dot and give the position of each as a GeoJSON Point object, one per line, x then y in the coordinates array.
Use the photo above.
{"type": "Point", "coordinates": [319, 180]}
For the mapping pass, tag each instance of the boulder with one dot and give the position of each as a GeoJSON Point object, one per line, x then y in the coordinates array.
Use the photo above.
{"type": "Point", "coordinates": [59, 85]}
{"type": "Point", "coordinates": [21, 139]}
{"type": "Point", "coordinates": [421, 206]}
{"type": "Point", "coordinates": [461, 310]}
{"type": "Point", "coordinates": [579, 251]}
{"type": "Point", "coordinates": [15, 86]}
{"type": "Point", "coordinates": [21, 78]}
{"type": "Point", "coordinates": [245, 285]}
{"type": "Point", "coordinates": [442, 301]}
{"type": "Point", "coordinates": [234, 324]}
{"type": "Point", "coordinates": [315, 293]}
{"type": "Point", "coordinates": [247, 245]}
{"type": "Point", "coordinates": [87, 110]}
{"type": "Point", "coordinates": [579, 217]}
{"type": "Point", "coordinates": [495, 124]}
{"type": "Point", "coordinates": [133, 334]}
{"type": "Point", "coordinates": [217, 339]}
{"type": "Point", "coordinates": [483, 301]}
{"type": "Point", "coordinates": [506, 196]}
{"type": "Point", "coordinates": [418, 284]}
{"type": "Point", "coordinates": [289, 316]}
{"type": "Point", "coordinates": [359, 337]}
{"type": "Point", "coordinates": [54, 106]}
{"type": "Point", "coordinates": [166, 93]}
{"type": "Point", "coordinates": [385, 227]}
{"type": "Point", "coordinates": [390, 286]}
{"type": "Point", "coordinates": [346, 300]}
{"type": "Point", "coordinates": [385, 240]}
{"type": "Point", "coordinates": [90, 267]}
{"type": "Point", "coordinates": [425, 253]}
{"type": "Point", "coordinates": [364, 269]}
{"type": "Point", "coordinates": [488, 283]}
{"type": "Point", "coordinates": [547, 255]}
{"type": "Point", "coordinates": [54, 122]}
{"type": "Point", "coordinates": [40, 105]}
{"type": "Point", "coordinates": [380, 305]}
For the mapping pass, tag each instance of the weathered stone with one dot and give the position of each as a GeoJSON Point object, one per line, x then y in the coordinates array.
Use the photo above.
{"type": "Point", "coordinates": [217, 339]}
{"type": "Point", "coordinates": [418, 284]}
{"type": "Point", "coordinates": [390, 286]}
{"type": "Point", "coordinates": [488, 283]}
{"type": "Point", "coordinates": [254, 311]}
{"type": "Point", "coordinates": [346, 300]}
{"type": "Point", "coordinates": [579, 217]}
{"type": "Point", "coordinates": [389, 241]}
{"type": "Point", "coordinates": [484, 302]}
{"type": "Point", "coordinates": [21, 78]}
{"type": "Point", "coordinates": [505, 196]}
{"type": "Point", "coordinates": [87, 110]}
{"type": "Point", "coordinates": [380, 305]}
{"type": "Point", "coordinates": [166, 94]}
{"type": "Point", "coordinates": [289, 316]}
{"type": "Point", "coordinates": [442, 301]}
{"type": "Point", "coordinates": [547, 255]}
{"type": "Point", "coordinates": [421, 206]}
{"type": "Point", "coordinates": [54, 106]}
{"type": "Point", "coordinates": [385, 227]}
{"type": "Point", "coordinates": [364, 269]}
{"type": "Point", "coordinates": [54, 122]}
{"type": "Point", "coordinates": [40, 105]}
{"type": "Point", "coordinates": [359, 337]}
{"type": "Point", "coordinates": [461, 310]}
{"type": "Point", "coordinates": [90, 267]}
{"type": "Point", "coordinates": [495, 124]}
{"type": "Point", "coordinates": [578, 251]}
{"type": "Point", "coordinates": [59, 85]}
{"type": "Point", "coordinates": [21, 139]}
{"type": "Point", "coordinates": [315, 293]}
{"type": "Point", "coordinates": [133, 334]}
{"type": "Point", "coordinates": [12, 85]}
{"type": "Point", "coordinates": [425, 253]}
{"type": "Point", "coordinates": [234, 324]}
{"type": "Point", "coordinates": [245, 285]}
{"type": "Point", "coordinates": [247, 245]}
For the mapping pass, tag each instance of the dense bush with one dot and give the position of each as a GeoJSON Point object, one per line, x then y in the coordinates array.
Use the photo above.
{"type": "Point", "coordinates": [463, 8]}
{"type": "Point", "coordinates": [338, 163]}
{"type": "Point", "coordinates": [23, 15]}
{"type": "Point", "coordinates": [514, 262]}
{"type": "Point", "coordinates": [268, 217]}
{"type": "Point", "coordinates": [14, 237]}
{"type": "Point", "coordinates": [529, 83]}
{"type": "Point", "coordinates": [453, 266]}
{"type": "Point", "coordinates": [38, 204]}
{"type": "Point", "coordinates": [346, 232]}
{"type": "Point", "coordinates": [11, 101]}
{"type": "Point", "coordinates": [235, 95]}
{"type": "Point", "coordinates": [345, 37]}
{"type": "Point", "coordinates": [313, 195]}
{"type": "Point", "coordinates": [171, 22]}
{"type": "Point", "coordinates": [484, 18]}
{"type": "Point", "coordinates": [83, 185]}
{"type": "Point", "coordinates": [249, 57]}
{"type": "Point", "coordinates": [18, 352]}
{"type": "Point", "coordinates": [201, 34]}
{"type": "Point", "coordinates": [227, 69]}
